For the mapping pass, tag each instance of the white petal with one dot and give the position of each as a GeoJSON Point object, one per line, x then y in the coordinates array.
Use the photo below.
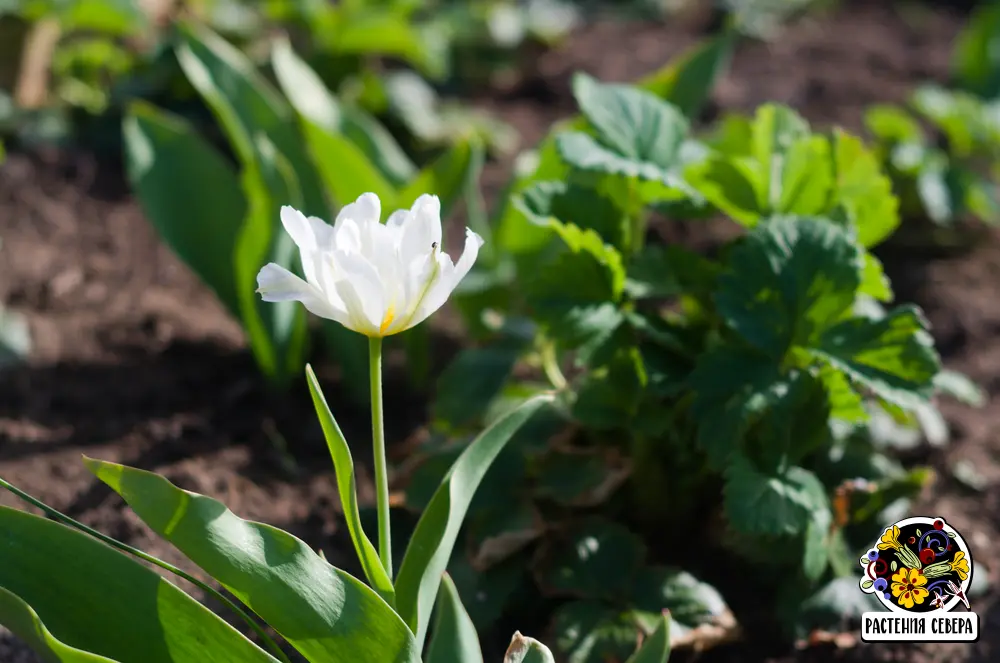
{"type": "Point", "coordinates": [422, 231]}
{"type": "Point", "coordinates": [277, 284]}
{"type": "Point", "coordinates": [398, 218]}
{"type": "Point", "coordinates": [322, 231]}
{"type": "Point", "coordinates": [448, 277]}
{"type": "Point", "coordinates": [359, 286]}
{"type": "Point", "coordinates": [347, 236]}
{"type": "Point", "coordinates": [366, 209]}
{"type": "Point", "coordinates": [298, 228]}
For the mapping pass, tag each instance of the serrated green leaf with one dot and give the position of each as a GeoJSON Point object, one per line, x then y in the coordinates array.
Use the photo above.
{"type": "Point", "coordinates": [338, 619]}
{"type": "Point", "coordinates": [586, 271]}
{"type": "Point", "coordinates": [590, 632]}
{"type": "Point", "coordinates": [782, 503]}
{"type": "Point", "coordinates": [806, 177]}
{"type": "Point", "coordinates": [874, 282]}
{"type": "Point", "coordinates": [731, 185]}
{"type": "Point", "coordinates": [690, 601]}
{"type": "Point", "coordinates": [788, 281]}
{"type": "Point", "coordinates": [598, 558]}
{"type": "Point", "coordinates": [472, 381]}
{"type": "Point", "coordinates": [960, 387]}
{"type": "Point", "coordinates": [454, 637]}
{"type": "Point", "coordinates": [730, 387]}
{"type": "Point", "coordinates": [436, 533]}
{"type": "Point", "coordinates": [582, 206]}
{"type": "Point", "coordinates": [795, 424]}
{"type": "Point", "coordinates": [57, 582]}
{"type": "Point", "coordinates": [775, 129]}
{"type": "Point", "coordinates": [608, 399]}
{"type": "Point", "coordinates": [892, 124]}
{"type": "Point", "coordinates": [816, 552]}
{"type": "Point", "coordinates": [632, 123]}
{"type": "Point", "coordinates": [893, 356]}
{"type": "Point", "coordinates": [864, 190]}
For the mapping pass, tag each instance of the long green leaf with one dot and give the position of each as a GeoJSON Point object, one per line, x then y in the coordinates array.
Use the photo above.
{"type": "Point", "coordinates": [656, 648]}
{"type": "Point", "coordinates": [315, 102]}
{"type": "Point", "coordinates": [344, 168]}
{"type": "Point", "coordinates": [189, 193]}
{"type": "Point", "coordinates": [20, 619]}
{"type": "Point", "coordinates": [347, 487]}
{"type": "Point", "coordinates": [94, 598]}
{"type": "Point", "coordinates": [437, 530]}
{"type": "Point", "coordinates": [454, 639]}
{"type": "Point", "coordinates": [326, 614]}
{"type": "Point", "coordinates": [277, 331]}
{"type": "Point", "coordinates": [247, 106]}
{"type": "Point", "coordinates": [446, 176]}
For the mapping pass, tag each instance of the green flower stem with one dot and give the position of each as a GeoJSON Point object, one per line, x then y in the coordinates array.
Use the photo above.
{"type": "Point", "coordinates": [166, 566]}
{"type": "Point", "coordinates": [378, 443]}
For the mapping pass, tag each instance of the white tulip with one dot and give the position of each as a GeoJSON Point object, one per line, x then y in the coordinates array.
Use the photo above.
{"type": "Point", "coordinates": [372, 278]}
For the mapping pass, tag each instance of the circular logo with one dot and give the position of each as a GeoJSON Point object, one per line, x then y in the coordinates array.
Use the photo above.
{"type": "Point", "coordinates": [918, 565]}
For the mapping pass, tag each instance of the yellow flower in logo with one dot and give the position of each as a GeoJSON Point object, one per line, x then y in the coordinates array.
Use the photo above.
{"type": "Point", "coordinates": [960, 565]}
{"type": "Point", "coordinates": [908, 587]}
{"type": "Point", "coordinates": [890, 539]}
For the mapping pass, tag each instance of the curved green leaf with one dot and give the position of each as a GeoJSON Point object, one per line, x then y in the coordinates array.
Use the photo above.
{"type": "Point", "coordinates": [343, 465]}
{"type": "Point", "coordinates": [247, 106]}
{"type": "Point", "coordinates": [24, 622]}
{"type": "Point", "coordinates": [277, 331]}
{"type": "Point", "coordinates": [437, 531]}
{"type": "Point", "coordinates": [94, 598]}
{"type": "Point", "coordinates": [445, 177]}
{"type": "Point", "coordinates": [304, 88]}
{"type": "Point", "coordinates": [454, 637]}
{"type": "Point", "coordinates": [343, 167]}
{"type": "Point", "coordinates": [189, 193]}
{"type": "Point", "coordinates": [323, 612]}
{"type": "Point", "coordinates": [789, 280]}
{"type": "Point", "coordinates": [656, 648]}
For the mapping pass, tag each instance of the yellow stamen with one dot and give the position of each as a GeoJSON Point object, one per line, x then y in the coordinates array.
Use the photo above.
{"type": "Point", "coordinates": [390, 315]}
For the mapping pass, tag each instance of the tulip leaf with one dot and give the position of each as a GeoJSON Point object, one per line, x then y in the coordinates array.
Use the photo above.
{"type": "Point", "coordinates": [305, 90]}
{"type": "Point", "coordinates": [277, 331]}
{"type": "Point", "coordinates": [343, 166]}
{"type": "Point", "coordinates": [247, 106]}
{"type": "Point", "coordinates": [656, 648]}
{"type": "Point", "coordinates": [527, 650]}
{"type": "Point", "coordinates": [21, 620]}
{"type": "Point", "coordinates": [436, 532]}
{"type": "Point", "coordinates": [343, 465]}
{"type": "Point", "coordinates": [85, 595]}
{"type": "Point", "coordinates": [325, 613]}
{"type": "Point", "coordinates": [314, 101]}
{"type": "Point", "coordinates": [446, 176]}
{"type": "Point", "coordinates": [189, 193]}
{"type": "Point", "coordinates": [454, 638]}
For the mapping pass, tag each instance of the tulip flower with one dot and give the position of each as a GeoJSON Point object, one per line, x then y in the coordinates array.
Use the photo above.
{"type": "Point", "coordinates": [373, 278]}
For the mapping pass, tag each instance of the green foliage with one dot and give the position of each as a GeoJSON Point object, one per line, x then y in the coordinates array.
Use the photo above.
{"type": "Point", "coordinates": [743, 390]}
{"type": "Point", "coordinates": [74, 599]}
{"type": "Point", "coordinates": [942, 149]}
{"type": "Point", "coordinates": [101, 605]}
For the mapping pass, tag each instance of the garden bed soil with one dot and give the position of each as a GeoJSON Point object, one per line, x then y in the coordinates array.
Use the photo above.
{"type": "Point", "coordinates": [133, 360]}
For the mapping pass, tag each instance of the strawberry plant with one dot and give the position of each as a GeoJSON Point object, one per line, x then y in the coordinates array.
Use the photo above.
{"type": "Point", "coordinates": [942, 150]}
{"type": "Point", "coordinates": [717, 412]}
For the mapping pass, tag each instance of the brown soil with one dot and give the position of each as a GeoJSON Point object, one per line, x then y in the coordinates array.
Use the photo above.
{"type": "Point", "coordinates": [133, 360]}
